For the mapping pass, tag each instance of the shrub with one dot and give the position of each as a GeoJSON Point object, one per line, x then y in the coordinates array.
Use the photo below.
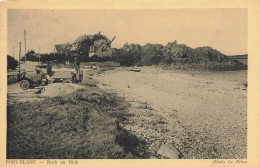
{"type": "Point", "coordinates": [11, 63]}
{"type": "Point", "coordinates": [129, 58]}
{"type": "Point", "coordinates": [178, 55]}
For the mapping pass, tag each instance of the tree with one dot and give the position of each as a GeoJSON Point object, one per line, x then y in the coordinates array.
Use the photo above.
{"type": "Point", "coordinates": [30, 56]}
{"type": "Point", "coordinates": [83, 49]}
{"type": "Point", "coordinates": [11, 63]}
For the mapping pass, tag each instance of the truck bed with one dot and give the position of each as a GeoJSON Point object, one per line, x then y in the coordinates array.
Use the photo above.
{"type": "Point", "coordinates": [62, 75]}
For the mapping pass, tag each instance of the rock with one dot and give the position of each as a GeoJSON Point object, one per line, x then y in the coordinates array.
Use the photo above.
{"type": "Point", "coordinates": [155, 146]}
{"type": "Point", "coordinates": [169, 151]}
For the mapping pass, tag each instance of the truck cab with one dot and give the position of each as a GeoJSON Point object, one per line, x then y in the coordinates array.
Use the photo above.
{"type": "Point", "coordinates": [37, 78]}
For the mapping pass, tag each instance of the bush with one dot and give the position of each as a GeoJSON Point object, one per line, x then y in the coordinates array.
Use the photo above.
{"type": "Point", "coordinates": [178, 55]}
{"type": "Point", "coordinates": [129, 58]}
{"type": "Point", "coordinates": [11, 63]}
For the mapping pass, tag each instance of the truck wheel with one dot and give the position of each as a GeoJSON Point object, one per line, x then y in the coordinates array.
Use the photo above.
{"type": "Point", "coordinates": [24, 84]}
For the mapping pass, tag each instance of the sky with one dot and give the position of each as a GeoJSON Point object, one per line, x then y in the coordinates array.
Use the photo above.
{"type": "Point", "coordinates": [222, 29]}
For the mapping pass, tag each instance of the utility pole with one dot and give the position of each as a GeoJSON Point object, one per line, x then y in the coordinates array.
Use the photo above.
{"type": "Point", "coordinates": [20, 43]}
{"type": "Point", "coordinates": [13, 51]}
{"type": "Point", "coordinates": [39, 55]}
{"type": "Point", "coordinates": [25, 45]}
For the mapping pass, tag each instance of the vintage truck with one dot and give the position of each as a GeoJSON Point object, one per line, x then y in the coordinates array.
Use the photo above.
{"type": "Point", "coordinates": [41, 78]}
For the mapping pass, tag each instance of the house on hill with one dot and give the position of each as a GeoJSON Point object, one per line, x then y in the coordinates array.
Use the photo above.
{"type": "Point", "coordinates": [101, 48]}
{"type": "Point", "coordinates": [101, 45]}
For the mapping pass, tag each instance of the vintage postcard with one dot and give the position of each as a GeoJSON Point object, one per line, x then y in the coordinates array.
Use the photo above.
{"type": "Point", "coordinates": [169, 83]}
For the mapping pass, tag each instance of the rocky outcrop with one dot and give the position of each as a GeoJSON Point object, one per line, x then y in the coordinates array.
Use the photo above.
{"type": "Point", "coordinates": [169, 151]}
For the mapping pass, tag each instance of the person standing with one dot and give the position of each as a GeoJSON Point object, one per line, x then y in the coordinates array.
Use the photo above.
{"type": "Point", "coordinates": [49, 68]}
{"type": "Point", "coordinates": [77, 65]}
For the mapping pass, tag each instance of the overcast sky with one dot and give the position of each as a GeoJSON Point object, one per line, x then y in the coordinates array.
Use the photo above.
{"type": "Point", "coordinates": [222, 29]}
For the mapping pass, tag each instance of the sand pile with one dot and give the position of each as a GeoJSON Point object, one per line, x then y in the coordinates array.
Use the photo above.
{"type": "Point", "coordinates": [57, 89]}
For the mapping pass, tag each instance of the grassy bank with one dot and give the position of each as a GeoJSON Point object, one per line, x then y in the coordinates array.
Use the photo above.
{"type": "Point", "coordinates": [84, 124]}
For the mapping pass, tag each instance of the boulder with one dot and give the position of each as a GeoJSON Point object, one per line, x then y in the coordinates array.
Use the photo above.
{"type": "Point", "coordinates": [169, 151]}
{"type": "Point", "coordinates": [155, 147]}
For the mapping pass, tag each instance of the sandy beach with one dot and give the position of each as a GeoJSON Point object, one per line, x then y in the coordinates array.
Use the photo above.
{"type": "Point", "coordinates": [203, 114]}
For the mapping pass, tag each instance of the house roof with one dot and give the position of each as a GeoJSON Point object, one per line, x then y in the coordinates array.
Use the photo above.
{"type": "Point", "coordinates": [81, 38]}
{"type": "Point", "coordinates": [61, 47]}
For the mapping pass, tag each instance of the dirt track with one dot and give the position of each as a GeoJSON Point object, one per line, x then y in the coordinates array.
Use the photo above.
{"type": "Point", "coordinates": [203, 115]}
